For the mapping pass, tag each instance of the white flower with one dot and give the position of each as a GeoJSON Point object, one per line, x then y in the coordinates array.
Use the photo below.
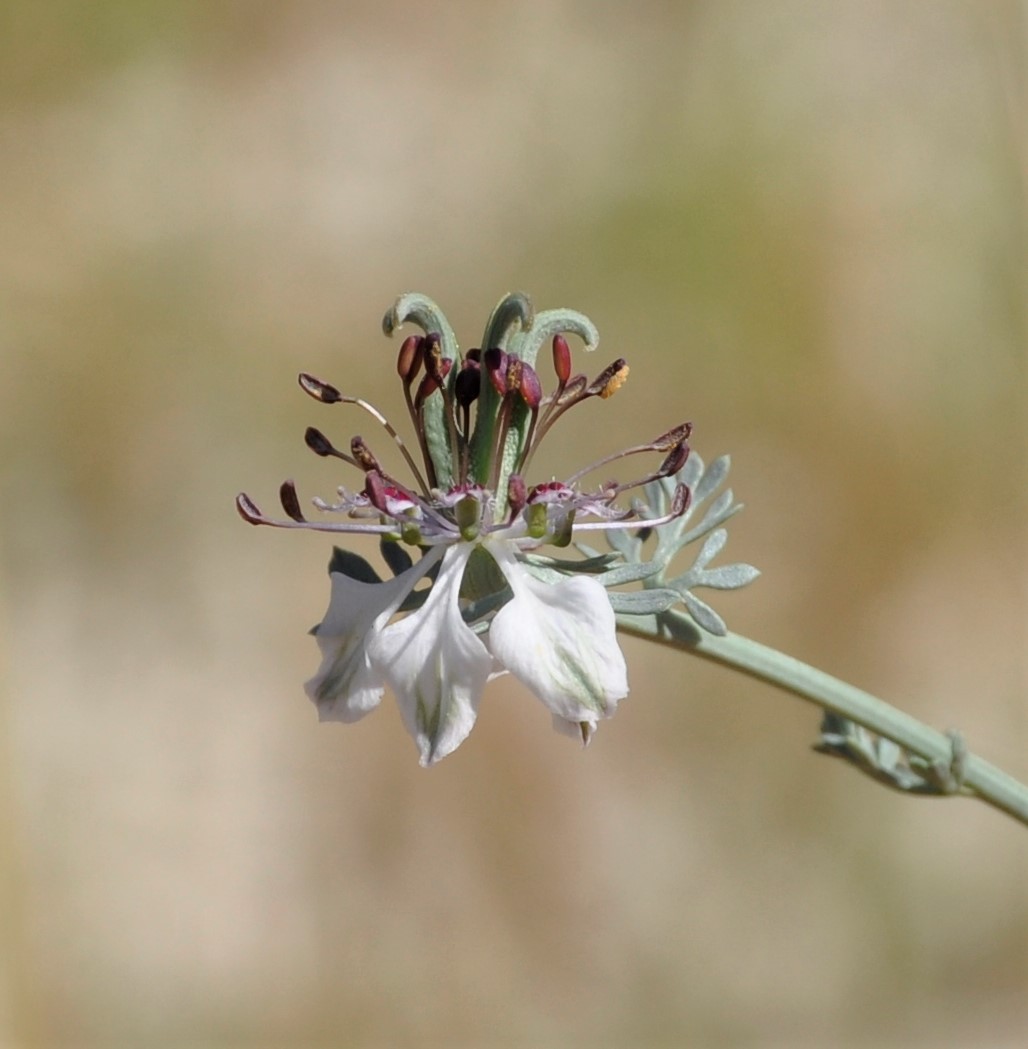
{"type": "Point", "coordinates": [558, 639]}
{"type": "Point", "coordinates": [493, 606]}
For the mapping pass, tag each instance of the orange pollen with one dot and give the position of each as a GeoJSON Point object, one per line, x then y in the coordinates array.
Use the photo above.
{"type": "Point", "coordinates": [615, 382]}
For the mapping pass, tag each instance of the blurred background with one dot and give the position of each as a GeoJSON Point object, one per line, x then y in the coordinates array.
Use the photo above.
{"type": "Point", "coordinates": [802, 223]}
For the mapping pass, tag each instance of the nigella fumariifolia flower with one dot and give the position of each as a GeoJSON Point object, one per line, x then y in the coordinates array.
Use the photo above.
{"type": "Point", "coordinates": [476, 522]}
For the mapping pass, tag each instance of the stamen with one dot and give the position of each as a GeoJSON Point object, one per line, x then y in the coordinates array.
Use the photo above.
{"type": "Point", "coordinates": [532, 394]}
{"type": "Point", "coordinates": [558, 404]}
{"type": "Point", "coordinates": [327, 394]}
{"type": "Point", "coordinates": [674, 461]}
{"type": "Point", "coordinates": [363, 456]}
{"type": "Point", "coordinates": [466, 389]}
{"type": "Point", "coordinates": [439, 368]}
{"type": "Point", "coordinates": [319, 444]}
{"type": "Point", "coordinates": [468, 383]}
{"type": "Point", "coordinates": [679, 504]}
{"type": "Point", "coordinates": [290, 502]}
{"type": "Point", "coordinates": [561, 362]}
{"type": "Point", "coordinates": [610, 380]}
{"type": "Point", "coordinates": [676, 435]}
{"type": "Point", "coordinates": [248, 510]}
{"type": "Point", "coordinates": [414, 411]}
{"type": "Point", "coordinates": [529, 386]}
{"type": "Point", "coordinates": [574, 391]}
{"type": "Point", "coordinates": [251, 512]}
{"type": "Point", "coordinates": [408, 361]}
{"type": "Point", "coordinates": [673, 439]}
{"type": "Point", "coordinates": [320, 391]}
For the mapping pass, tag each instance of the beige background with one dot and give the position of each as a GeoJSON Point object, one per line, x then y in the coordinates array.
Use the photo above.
{"type": "Point", "coordinates": [803, 224]}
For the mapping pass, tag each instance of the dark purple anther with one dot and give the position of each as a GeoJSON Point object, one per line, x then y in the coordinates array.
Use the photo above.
{"type": "Point", "coordinates": [674, 461]}
{"type": "Point", "coordinates": [468, 383]}
{"type": "Point", "coordinates": [320, 391]}
{"type": "Point", "coordinates": [681, 500]}
{"type": "Point", "coordinates": [674, 436]}
{"type": "Point", "coordinates": [248, 510]}
{"type": "Point", "coordinates": [318, 443]}
{"type": "Point", "coordinates": [290, 502]}
{"type": "Point", "coordinates": [609, 380]}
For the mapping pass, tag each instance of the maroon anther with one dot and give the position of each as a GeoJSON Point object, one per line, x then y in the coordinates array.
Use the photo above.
{"type": "Point", "coordinates": [495, 361]}
{"type": "Point", "coordinates": [249, 511]}
{"type": "Point", "coordinates": [318, 443]}
{"type": "Point", "coordinates": [468, 383]}
{"type": "Point", "coordinates": [681, 500]}
{"type": "Point", "coordinates": [408, 361]}
{"type": "Point", "coordinates": [320, 391]}
{"type": "Point", "coordinates": [561, 359]}
{"type": "Point", "coordinates": [290, 502]}
{"type": "Point", "coordinates": [531, 388]}
{"type": "Point", "coordinates": [675, 460]}
{"type": "Point", "coordinates": [672, 437]}
{"type": "Point", "coordinates": [362, 453]}
{"type": "Point", "coordinates": [609, 379]}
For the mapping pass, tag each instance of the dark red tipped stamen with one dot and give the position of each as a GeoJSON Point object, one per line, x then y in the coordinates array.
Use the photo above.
{"type": "Point", "coordinates": [408, 361]}
{"type": "Point", "coordinates": [608, 381]}
{"type": "Point", "coordinates": [249, 511]}
{"type": "Point", "coordinates": [674, 461]}
{"type": "Point", "coordinates": [320, 391]}
{"type": "Point", "coordinates": [676, 435]}
{"type": "Point", "coordinates": [561, 361]}
{"type": "Point", "coordinates": [530, 388]}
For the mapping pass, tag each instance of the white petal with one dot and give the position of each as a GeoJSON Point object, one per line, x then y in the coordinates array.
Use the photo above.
{"type": "Point", "coordinates": [435, 664]}
{"type": "Point", "coordinates": [560, 640]}
{"type": "Point", "coordinates": [346, 685]}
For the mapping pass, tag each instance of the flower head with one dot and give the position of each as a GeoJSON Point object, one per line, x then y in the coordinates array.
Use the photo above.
{"type": "Point", "coordinates": [493, 604]}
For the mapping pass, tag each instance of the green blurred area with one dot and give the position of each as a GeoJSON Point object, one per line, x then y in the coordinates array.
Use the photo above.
{"type": "Point", "coordinates": [802, 224]}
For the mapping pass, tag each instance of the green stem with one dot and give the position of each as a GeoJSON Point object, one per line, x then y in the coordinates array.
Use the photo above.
{"type": "Point", "coordinates": [979, 778]}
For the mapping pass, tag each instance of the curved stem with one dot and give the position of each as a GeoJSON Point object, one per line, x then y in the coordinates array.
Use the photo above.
{"type": "Point", "coordinates": [978, 778]}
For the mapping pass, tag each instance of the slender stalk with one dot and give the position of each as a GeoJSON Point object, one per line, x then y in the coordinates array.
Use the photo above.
{"type": "Point", "coordinates": [978, 778]}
